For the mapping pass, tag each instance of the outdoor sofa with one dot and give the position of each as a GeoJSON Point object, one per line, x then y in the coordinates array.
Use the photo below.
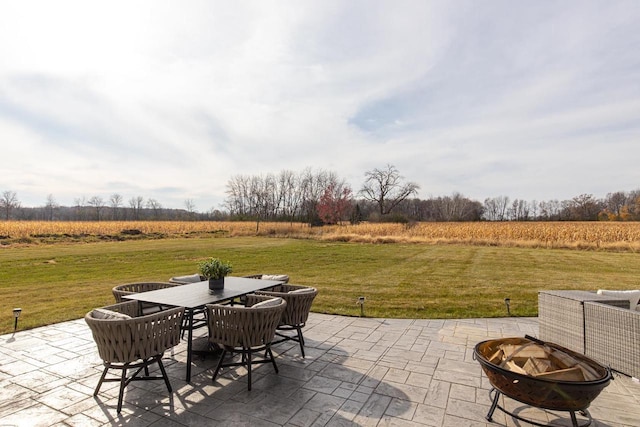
{"type": "Point", "coordinates": [603, 327]}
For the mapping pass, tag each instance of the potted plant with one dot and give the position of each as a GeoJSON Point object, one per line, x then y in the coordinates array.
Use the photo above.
{"type": "Point", "coordinates": [215, 270]}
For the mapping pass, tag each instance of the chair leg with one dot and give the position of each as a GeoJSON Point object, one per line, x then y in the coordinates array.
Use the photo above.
{"type": "Point", "coordinates": [284, 332]}
{"type": "Point", "coordinates": [136, 368]}
{"type": "Point", "coordinates": [164, 373]}
{"type": "Point", "coordinates": [104, 374]}
{"type": "Point", "coordinates": [185, 325]}
{"type": "Point", "coordinates": [248, 361]}
{"type": "Point", "coordinates": [300, 340]}
{"type": "Point", "coordinates": [273, 359]}
{"type": "Point", "coordinates": [215, 374]}
{"type": "Point", "coordinates": [123, 382]}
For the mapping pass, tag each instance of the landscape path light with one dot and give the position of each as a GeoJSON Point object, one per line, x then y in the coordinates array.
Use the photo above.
{"type": "Point", "coordinates": [507, 302]}
{"type": "Point", "coordinates": [361, 304]}
{"type": "Point", "coordinates": [16, 314]}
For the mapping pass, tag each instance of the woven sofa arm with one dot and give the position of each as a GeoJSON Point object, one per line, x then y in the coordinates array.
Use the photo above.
{"type": "Point", "coordinates": [612, 336]}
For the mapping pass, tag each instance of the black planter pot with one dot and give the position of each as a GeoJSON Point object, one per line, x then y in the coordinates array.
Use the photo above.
{"type": "Point", "coordinates": [216, 284]}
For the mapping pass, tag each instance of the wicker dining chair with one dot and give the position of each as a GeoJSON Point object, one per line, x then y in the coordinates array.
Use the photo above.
{"type": "Point", "coordinates": [199, 315]}
{"type": "Point", "coordinates": [185, 280]}
{"type": "Point", "coordinates": [127, 341]}
{"type": "Point", "coordinates": [282, 277]}
{"type": "Point", "coordinates": [135, 288]}
{"type": "Point", "coordinates": [245, 330]}
{"type": "Point", "coordinates": [294, 318]}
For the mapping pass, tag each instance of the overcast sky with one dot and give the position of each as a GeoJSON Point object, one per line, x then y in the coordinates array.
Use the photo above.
{"type": "Point", "coordinates": [534, 100]}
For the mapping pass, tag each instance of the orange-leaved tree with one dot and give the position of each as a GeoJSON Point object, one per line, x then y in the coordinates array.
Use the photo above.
{"type": "Point", "coordinates": [335, 203]}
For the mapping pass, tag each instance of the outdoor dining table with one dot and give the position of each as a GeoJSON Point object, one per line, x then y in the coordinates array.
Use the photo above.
{"type": "Point", "coordinates": [194, 296]}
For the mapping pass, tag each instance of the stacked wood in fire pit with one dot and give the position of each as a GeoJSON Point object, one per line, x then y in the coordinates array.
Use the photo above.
{"type": "Point", "coordinates": [544, 362]}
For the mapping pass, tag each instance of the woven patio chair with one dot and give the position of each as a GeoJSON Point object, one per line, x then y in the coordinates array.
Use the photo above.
{"type": "Point", "coordinates": [185, 280]}
{"type": "Point", "coordinates": [135, 288]}
{"type": "Point", "coordinates": [245, 330]}
{"type": "Point", "coordinates": [126, 341]}
{"type": "Point", "coordinates": [299, 300]}
{"type": "Point", "coordinates": [199, 315]}
{"type": "Point", "coordinates": [282, 277]}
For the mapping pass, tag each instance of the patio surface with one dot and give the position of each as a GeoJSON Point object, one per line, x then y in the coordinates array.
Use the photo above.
{"type": "Point", "coordinates": [358, 371]}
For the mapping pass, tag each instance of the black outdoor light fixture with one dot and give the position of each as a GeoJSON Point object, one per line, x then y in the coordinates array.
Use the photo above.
{"type": "Point", "coordinates": [507, 302]}
{"type": "Point", "coordinates": [16, 314]}
{"type": "Point", "coordinates": [361, 304]}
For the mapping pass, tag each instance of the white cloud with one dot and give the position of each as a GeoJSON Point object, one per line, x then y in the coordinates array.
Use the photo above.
{"type": "Point", "coordinates": [169, 100]}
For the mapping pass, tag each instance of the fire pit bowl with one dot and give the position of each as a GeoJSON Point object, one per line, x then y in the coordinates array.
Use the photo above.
{"type": "Point", "coordinates": [552, 394]}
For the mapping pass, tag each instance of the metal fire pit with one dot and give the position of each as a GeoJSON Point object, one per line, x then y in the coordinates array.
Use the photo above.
{"type": "Point", "coordinates": [555, 395]}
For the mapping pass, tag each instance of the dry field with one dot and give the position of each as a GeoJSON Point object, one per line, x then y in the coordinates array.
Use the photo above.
{"type": "Point", "coordinates": [619, 236]}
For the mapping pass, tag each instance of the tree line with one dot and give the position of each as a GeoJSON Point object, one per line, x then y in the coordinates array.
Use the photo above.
{"type": "Point", "coordinates": [96, 208]}
{"type": "Point", "coordinates": [323, 197]}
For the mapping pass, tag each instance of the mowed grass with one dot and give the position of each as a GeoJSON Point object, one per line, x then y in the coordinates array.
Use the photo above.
{"type": "Point", "coordinates": [53, 283]}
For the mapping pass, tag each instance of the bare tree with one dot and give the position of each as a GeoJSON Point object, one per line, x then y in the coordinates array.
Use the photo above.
{"type": "Point", "coordinates": [262, 190]}
{"type": "Point", "coordinates": [457, 208]}
{"type": "Point", "coordinates": [8, 202]}
{"type": "Point", "coordinates": [98, 204]}
{"type": "Point", "coordinates": [386, 188]}
{"type": "Point", "coordinates": [310, 195]}
{"type": "Point", "coordinates": [283, 190]}
{"type": "Point", "coordinates": [136, 204]}
{"type": "Point", "coordinates": [584, 208]}
{"type": "Point", "coordinates": [566, 210]}
{"type": "Point", "coordinates": [115, 201]}
{"type": "Point", "coordinates": [80, 204]}
{"type": "Point", "coordinates": [634, 205]}
{"type": "Point", "coordinates": [155, 206]}
{"type": "Point", "coordinates": [615, 203]}
{"type": "Point", "coordinates": [50, 207]}
{"type": "Point", "coordinates": [550, 210]}
{"type": "Point", "coordinates": [519, 210]}
{"type": "Point", "coordinates": [217, 215]}
{"type": "Point", "coordinates": [495, 209]}
{"type": "Point", "coordinates": [534, 209]}
{"type": "Point", "coordinates": [190, 206]}
{"type": "Point", "coordinates": [238, 197]}
{"type": "Point", "coordinates": [289, 193]}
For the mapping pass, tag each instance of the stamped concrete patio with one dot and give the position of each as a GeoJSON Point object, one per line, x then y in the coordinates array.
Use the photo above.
{"type": "Point", "coordinates": [358, 371]}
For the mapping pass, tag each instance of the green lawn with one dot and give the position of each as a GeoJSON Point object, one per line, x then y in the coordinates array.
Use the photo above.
{"type": "Point", "coordinates": [53, 283]}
